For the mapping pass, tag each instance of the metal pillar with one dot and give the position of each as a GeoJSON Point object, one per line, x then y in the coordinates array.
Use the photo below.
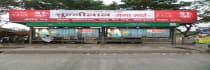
{"type": "Point", "coordinates": [102, 35]}
{"type": "Point", "coordinates": [30, 35]}
{"type": "Point", "coordinates": [171, 35]}
{"type": "Point", "coordinates": [173, 30]}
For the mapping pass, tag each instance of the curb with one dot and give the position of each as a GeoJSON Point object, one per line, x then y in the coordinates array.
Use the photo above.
{"type": "Point", "coordinates": [90, 51]}
{"type": "Point", "coordinates": [194, 49]}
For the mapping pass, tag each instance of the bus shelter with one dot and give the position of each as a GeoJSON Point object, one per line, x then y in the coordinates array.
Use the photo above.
{"type": "Point", "coordinates": [103, 25]}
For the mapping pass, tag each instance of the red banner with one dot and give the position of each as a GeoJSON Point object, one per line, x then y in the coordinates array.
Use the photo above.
{"type": "Point", "coordinates": [182, 16]}
{"type": "Point", "coordinates": [86, 30]}
{"type": "Point", "coordinates": [156, 30]}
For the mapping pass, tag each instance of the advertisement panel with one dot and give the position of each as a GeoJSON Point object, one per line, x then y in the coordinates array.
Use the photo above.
{"type": "Point", "coordinates": [137, 33]}
{"type": "Point", "coordinates": [204, 30]}
{"type": "Point", "coordinates": [131, 33]}
{"type": "Point", "coordinates": [184, 16]}
{"type": "Point", "coordinates": [204, 40]}
{"type": "Point", "coordinates": [204, 35]}
{"type": "Point", "coordinates": [156, 33]}
{"type": "Point", "coordinates": [63, 33]}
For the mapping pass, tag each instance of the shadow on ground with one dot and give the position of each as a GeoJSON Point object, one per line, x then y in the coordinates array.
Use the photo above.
{"type": "Point", "coordinates": [208, 51]}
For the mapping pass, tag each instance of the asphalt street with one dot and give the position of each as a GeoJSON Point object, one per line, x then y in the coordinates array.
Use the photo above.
{"type": "Point", "coordinates": [105, 62]}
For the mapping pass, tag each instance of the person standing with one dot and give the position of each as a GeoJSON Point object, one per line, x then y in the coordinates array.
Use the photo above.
{"type": "Point", "coordinates": [5, 40]}
{"type": "Point", "coordinates": [0, 39]}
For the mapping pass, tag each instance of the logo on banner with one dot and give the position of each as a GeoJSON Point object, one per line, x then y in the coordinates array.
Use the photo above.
{"type": "Point", "coordinates": [185, 14]}
{"type": "Point", "coordinates": [41, 13]}
{"type": "Point", "coordinates": [19, 14]}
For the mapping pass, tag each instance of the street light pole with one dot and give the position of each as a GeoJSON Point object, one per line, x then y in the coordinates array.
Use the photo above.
{"type": "Point", "coordinates": [209, 44]}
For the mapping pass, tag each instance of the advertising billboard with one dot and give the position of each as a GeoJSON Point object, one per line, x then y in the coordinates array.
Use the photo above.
{"type": "Point", "coordinates": [204, 35]}
{"type": "Point", "coordinates": [137, 33]}
{"type": "Point", "coordinates": [204, 30]}
{"type": "Point", "coordinates": [183, 16]}
{"type": "Point", "coordinates": [65, 33]}
{"type": "Point", "coordinates": [204, 40]}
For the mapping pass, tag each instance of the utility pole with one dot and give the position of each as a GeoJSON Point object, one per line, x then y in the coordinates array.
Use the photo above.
{"type": "Point", "coordinates": [209, 43]}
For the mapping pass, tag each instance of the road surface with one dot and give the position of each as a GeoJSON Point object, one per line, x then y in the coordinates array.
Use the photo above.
{"type": "Point", "coordinates": [105, 62]}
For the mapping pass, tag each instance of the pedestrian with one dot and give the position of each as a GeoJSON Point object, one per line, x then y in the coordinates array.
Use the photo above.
{"type": "Point", "coordinates": [5, 40]}
{"type": "Point", "coordinates": [15, 38]}
{"type": "Point", "coordinates": [0, 39]}
{"type": "Point", "coordinates": [21, 39]}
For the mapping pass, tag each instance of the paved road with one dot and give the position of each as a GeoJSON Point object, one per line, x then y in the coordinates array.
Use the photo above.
{"type": "Point", "coordinates": [104, 62]}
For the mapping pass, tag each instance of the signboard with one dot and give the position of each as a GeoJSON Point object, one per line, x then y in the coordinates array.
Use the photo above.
{"type": "Point", "coordinates": [107, 24]}
{"type": "Point", "coordinates": [204, 40]}
{"type": "Point", "coordinates": [204, 30]}
{"type": "Point", "coordinates": [137, 33]}
{"type": "Point", "coordinates": [204, 35]}
{"type": "Point", "coordinates": [65, 33]}
{"type": "Point", "coordinates": [184, 16]}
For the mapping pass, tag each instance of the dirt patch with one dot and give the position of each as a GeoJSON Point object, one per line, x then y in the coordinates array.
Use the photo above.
{"type": "Point", "coordinates": [208, 51]}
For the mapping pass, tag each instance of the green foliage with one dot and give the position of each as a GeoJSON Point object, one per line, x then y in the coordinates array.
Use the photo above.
{"type": "Point", "coordinates": [7, 3]}
{"type": "Point", "coordinates": [40, 4]}
{"type": "Point", "coordinates": [93, 4]}
{"type": "Point", "coordinates": [63, 4]}
{"type": "Point", "coordinates": [153, 4]}
{"type": "Point", "coordinates": [205, 17]}
{"type": "Point", "coordinates": [113, 6]}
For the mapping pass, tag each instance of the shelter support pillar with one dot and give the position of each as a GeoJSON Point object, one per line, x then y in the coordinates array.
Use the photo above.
{"type": "Point", "coordinates": [30, 35]}
{"type": "Point", "coordinates": [102, 35]}
{"type": "Point", "coordinates": [173, 36]}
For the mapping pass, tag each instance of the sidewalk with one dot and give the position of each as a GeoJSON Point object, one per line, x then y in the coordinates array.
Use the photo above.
{"type": "Point", "coordinates": [198, 47]}
{"type": "Point", "coordinates": [94, 49]}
